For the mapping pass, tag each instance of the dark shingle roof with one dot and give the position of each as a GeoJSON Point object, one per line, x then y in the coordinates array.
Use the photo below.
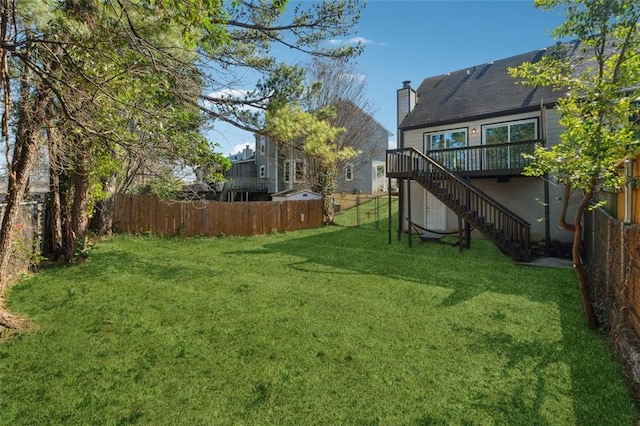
{"type": "Point", "coordinates": [477, 92]}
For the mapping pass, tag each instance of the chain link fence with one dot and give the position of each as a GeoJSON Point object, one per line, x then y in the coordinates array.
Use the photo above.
{"type": "Point", "coordinates": [364, 210]}
{"type": "Point", "coordinates": [28, 232]}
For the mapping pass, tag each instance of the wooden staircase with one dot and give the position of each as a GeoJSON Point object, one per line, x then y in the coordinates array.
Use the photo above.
{"type": "Point", "coordinates": [508, 231]}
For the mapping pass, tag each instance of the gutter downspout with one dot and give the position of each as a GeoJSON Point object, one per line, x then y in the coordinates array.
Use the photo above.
{"type": "Point", "coordinates": [545, 177]}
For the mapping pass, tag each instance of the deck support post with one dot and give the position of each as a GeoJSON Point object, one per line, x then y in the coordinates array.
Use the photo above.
{"type": "Point", "coordinates": [547, 217]}
{"type": "Point", "coordinates": [409, 224]}
{"type": "Point", "coordinates": [400, 207]}
{"type": "Point", "coordinates": [467, 235]}
{"type": "Point", "coordinates": [461, 242]}
{"type": "Point", "coordinates": [389, 210]}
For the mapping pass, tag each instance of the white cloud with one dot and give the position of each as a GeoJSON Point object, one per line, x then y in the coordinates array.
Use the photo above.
{"type": "Point", "coordinates": [357, 40]}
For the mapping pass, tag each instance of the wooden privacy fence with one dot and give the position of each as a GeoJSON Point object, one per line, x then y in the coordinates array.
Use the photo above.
{"type": "Point", "coordinates": [137, 214]}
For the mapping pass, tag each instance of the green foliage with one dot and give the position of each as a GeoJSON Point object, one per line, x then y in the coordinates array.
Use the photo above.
{"type": "Point", "coordinates": [331, 324]}
{"type": "Point", "coordinates": [25, 250]}
{"type": "Point", "coordinates": [601, 85]}
{"type": "Point", "coordinates": [163, 185]}
{"type": "Point", "coordinates": [314, 135]}
{"type": "Point", "coordinates": [317, 137]}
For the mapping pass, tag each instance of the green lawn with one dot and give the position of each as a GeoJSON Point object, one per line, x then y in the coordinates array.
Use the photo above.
{"type": "Point", "coordinates": [326, 326]}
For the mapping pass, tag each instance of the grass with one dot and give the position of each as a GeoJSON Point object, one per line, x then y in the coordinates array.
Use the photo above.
{"type": "Point", "coordinates": [326, 326]}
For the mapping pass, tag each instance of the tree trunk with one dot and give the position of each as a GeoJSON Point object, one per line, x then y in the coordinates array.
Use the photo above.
{"type": "Point", "coordinates": [18, 178]}
{"type": "Point", "coordinates": [79, 220]}
{"type": "Point", "coordinates": [325, 186]}
{"type": "Point", "coordinates": [30, 120]}
{"type": "Point", "coordinates": [578, 267]}
{"type": "Point", "coordinates": [56, 213]}
{"type": "Point", "coordinates": [102, 222]}
{"type": "Point", "coordinates": [11, 321]}
{"type": "Point", "coordinates": [55, 162]}
{"type": "Point", "coordinates": [65, 192]}
{"type": "Point", "coordinates": [576, 256]}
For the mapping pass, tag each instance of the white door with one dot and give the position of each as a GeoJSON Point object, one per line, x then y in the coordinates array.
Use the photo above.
{"type": "Point", "coordinates": [436, 214]}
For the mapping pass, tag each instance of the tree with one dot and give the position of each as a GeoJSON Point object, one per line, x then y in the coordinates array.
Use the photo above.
{"type": "Point", "coordinates": [313, 134]}
{"type": "Point", "coordinates": [601, 84]}
{"type": "Point", "coordinates": [98, 81]}
{"type": "Point", "coordinates": [336, 99]}
{"type": "Point", "coordinates": [340, 87]}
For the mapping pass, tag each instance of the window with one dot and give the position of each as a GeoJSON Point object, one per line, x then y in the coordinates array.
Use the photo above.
{"type": "Point", "coordinates": [348, 172]}
{"type": "Point", "coordinates": [263, 171]}
{"type": "Point", "coordinates": [298, 166]}
{"type": "Point", "coordinates": [517, 131]}
{"type": "Point", "coordinates": [447, 142]}
{"type": "Point", "coordinates": [287, 171]}
{"type": "Point", "coordinates": [263, 144]}
{"type": "Point", "coordinates": [509, 156]}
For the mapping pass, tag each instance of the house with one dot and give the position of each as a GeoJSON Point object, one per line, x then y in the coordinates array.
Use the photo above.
{"type": "Point", "coordinates": [242, 180]}
{"type": "Point", "coordinates": [461, 140]}
{"type": "Point", "coordinates": [286, 167]}
{"type": "Point", "coordinates": [38, 184]}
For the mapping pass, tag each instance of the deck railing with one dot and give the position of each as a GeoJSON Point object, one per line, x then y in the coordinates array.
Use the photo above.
{"type": "Point", "coordinates": [481, 160]}
{"type": "Point", "coordinates": [251, 184]}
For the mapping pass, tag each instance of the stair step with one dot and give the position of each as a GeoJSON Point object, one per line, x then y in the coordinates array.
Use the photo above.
{"type": "Point", "coordinates": [470, 214]}
{"type": "Point", "coordinates": [443, 187]}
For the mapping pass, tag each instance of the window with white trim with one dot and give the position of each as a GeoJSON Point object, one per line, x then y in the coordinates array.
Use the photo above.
{"type": "Point", "coordinates": [263, 171]}
{"type": "Point", "coordinates": [348, 172]}
{"type": "Point", "coordinates": [263, 144]}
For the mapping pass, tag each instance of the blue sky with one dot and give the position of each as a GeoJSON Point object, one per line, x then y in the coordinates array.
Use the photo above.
{"type": "Point", "coordinates": [412, 40]}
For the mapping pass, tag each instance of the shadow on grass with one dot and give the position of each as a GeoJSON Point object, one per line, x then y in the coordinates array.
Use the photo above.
{"type": "Point", "coordinates": [480, 270]}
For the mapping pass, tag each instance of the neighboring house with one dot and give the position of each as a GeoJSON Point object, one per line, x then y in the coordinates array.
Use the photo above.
{"type": "Point", "coordinates": [288, 168]}
{"type": "Point", "coordinates": [38, 178]}
{"type": "Point", "coordinates": [243, 183]}
{"type": "Point", "coordinates": [461, 137]}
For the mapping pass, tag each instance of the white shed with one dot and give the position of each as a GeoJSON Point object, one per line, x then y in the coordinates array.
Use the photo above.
{"type": "Point", "coordinates": [296, 195]}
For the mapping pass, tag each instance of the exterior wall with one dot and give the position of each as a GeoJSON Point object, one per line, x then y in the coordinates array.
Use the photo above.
{"type": "Point", "coordinates": [242, 169]}
{"type": "Point", "coordinates": [273, 159]}
{"type": "Point", "coordinates": [523, 195]}
{"type": "Point", "coordinates": [364, 177]}
{"type": "Point", "coordinates": [267, 157]}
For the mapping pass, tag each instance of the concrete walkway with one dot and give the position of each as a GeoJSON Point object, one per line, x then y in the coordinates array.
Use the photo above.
{"type": "Point", "coordinates": [548, 262]}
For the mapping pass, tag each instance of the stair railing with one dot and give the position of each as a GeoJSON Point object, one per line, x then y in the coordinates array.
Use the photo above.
{"type": "Point", "coordinates": [476, 207]}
